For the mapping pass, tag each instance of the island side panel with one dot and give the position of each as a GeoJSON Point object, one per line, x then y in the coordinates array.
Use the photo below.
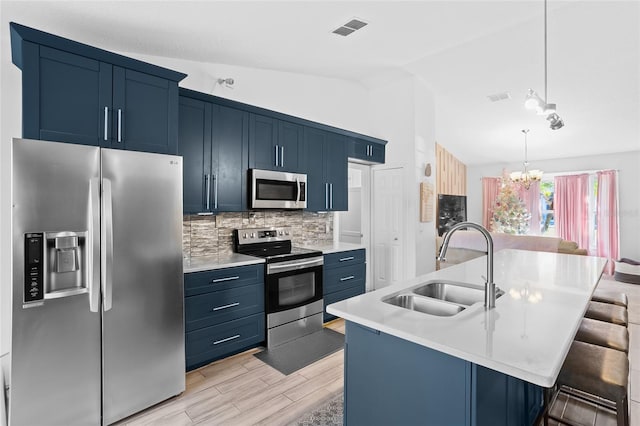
{"type": "Point", "coordinates": [389, 380]}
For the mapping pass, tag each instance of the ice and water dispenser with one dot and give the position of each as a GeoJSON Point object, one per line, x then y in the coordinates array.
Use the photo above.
{"type": "Point", "coordinates": [56, 265]}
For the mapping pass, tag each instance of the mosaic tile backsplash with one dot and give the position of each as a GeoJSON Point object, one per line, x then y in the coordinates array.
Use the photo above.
{"type": "Point", "coordinates": [212, 235]}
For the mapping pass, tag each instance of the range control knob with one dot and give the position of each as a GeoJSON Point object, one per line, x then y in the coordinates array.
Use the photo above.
{"type": "Point", "coordinates": [286, 232]}
{"type": "Point", "coordinates": [245, 235]}
{"type": "Point", "coordinates": [253, 235]}
{"type": "Point", "coordinates": [281, 233]}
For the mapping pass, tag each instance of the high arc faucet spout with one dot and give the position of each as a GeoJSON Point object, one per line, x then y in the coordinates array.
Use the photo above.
{"type": "Point", "coordinates": [490, 287]}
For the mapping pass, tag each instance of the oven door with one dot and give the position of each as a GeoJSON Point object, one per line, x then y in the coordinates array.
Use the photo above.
{"type": "Point", "coordinates": [278, 190]}
{"type": "Point", "coordinates": [293, 283]}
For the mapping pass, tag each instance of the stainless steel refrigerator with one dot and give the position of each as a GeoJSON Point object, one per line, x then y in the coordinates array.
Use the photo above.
{"type": "Point", "coordinates": [97, 312]}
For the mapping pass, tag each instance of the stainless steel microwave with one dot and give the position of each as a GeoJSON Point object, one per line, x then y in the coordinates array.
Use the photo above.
{"type": "Point", "coordinates": [277, 190]}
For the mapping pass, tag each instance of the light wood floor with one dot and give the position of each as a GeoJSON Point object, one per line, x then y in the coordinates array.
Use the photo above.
{"type": "Point", "coordinates": [242, 390]}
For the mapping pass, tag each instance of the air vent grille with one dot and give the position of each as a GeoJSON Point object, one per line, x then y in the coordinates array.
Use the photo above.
{"type": "Point", "coordinates": [349, 27]}
{"type": "Point", "coordinates": [499, 96]}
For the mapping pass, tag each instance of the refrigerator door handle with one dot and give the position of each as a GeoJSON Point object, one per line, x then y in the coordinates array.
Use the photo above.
{"type": "Point", "coordinates": [106, 252]}
{"type": "Point", "coordinates": [93, 265]}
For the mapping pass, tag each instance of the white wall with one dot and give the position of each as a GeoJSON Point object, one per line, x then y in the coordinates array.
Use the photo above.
{"type": "Point", "coordinates": [403, 114]}
{"type": "Point", "coordinates": [628, 165]}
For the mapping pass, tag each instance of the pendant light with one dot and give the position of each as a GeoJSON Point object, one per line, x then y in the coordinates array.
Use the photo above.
{"type": "Point", "coordinates": [534, 101]}
{"type": "Point", "coordinates": [526, 177]}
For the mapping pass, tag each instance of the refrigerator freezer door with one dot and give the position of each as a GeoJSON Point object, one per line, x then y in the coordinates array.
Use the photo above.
{"type": "Point", "coordinates": [143, 331]}
{"type": "Point", "coordinates": [55, 358]}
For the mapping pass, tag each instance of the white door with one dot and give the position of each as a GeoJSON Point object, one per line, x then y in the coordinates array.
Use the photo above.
{"type": "Point", "coordinates": [354, 222]}
{"type": "Point", "coordinates": [387, 226]}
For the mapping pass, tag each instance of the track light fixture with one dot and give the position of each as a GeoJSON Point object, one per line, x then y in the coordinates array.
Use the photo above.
{"type": "Point", "coordinates": [533, 101]}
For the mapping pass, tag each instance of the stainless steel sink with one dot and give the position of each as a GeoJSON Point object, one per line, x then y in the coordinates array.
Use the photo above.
{"type": "Point", "coordinates": [425, 305]}
{"type": "Point", "coordinates": [462, 293]}
{"type": "Point", "coordinates": [439, 297]}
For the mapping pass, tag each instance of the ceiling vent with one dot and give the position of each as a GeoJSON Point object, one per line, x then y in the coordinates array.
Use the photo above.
{"type": "Point", "coordinates": [349, 27]}
{"type": "Point", "coordinates": [499, 96]}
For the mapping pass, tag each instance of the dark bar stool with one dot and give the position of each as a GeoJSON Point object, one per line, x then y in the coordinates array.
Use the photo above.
{"type": "Point", "coordinates": [611, 297]}
{"type": "Point", "coordinates": [600, 372]}
{"type": "Point", "coordinates": [604, 334]}
{"type": "Point", "coordinates": [607, 312]}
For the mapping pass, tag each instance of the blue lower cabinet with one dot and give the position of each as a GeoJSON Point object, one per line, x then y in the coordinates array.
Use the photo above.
{"type": "Point", "coordinates": [344, 276]}
{"type": "Point", "coordinates": [224, 312]}
{"type": "Point", "coordinates": [412, 385]}
{"type": "Point", "coordinates": [215, 342]}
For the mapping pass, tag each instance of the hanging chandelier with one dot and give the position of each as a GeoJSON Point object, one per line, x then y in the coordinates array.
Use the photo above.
{"type": "Point", "coordinates": [526, 177]}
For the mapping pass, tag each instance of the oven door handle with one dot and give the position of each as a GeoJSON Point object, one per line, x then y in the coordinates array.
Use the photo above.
{"type": "Point", "coordinates": [293, 265]}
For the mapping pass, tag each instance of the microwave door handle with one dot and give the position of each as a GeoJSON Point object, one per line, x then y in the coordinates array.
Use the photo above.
{"type": "Point", "coordinates": [106, 250]}
{"type": "Point", "coordinates": [298, 194]}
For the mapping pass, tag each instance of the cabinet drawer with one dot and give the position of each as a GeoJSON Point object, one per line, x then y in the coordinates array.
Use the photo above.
{"type": "Point", "coordinates": [217, 307]}
{"type": "Point", "coordinates": [340, 295]}
{"type": "Point", "coordinates": [336, 279]}
{"type": "Point", "coordinates": [210, 343]}
{"type": "Point", "coordinates": [344, 258]}
{"type": "Point", "coordinates": [220, 279]}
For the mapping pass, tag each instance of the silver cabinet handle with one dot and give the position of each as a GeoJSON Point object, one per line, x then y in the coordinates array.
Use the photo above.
{"type": "Point", "coordinates": [106, 251]}
{"type": "Point", "coordinates": [331, 196]}
{"type": "Point", "coordinates": [276, 147]}
{"type": "Point", "coordinates": [367, 150]}
{"type": "Point", "coordinates": [215, 192]}
{"type": "Point", "coordinates": [93, 266]}
{"type": "Point", "coordinates": [217, 342]}
{"type": "Point", "coordinates": [326, 196]}
{"type": "Point", "coordinates": [119, 125]}
{"type": "Point", "coordinates": [230, 305]}
{"type": "Point", "coordinates": [344, 259]}
{"type": "Point", "coordinates": [106, 120]}
{"type": "Point", "coordinates": [350, 277]}
{"type": "Point", "coordinates": [219, 280]}
{"type": "Point", "coordinates": [282, 156]}
{"type": "Point", "coordinates": [207, 202]}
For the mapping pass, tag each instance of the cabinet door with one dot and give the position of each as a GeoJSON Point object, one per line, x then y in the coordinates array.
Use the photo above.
{"type": "Point", "coordinates": [263, 136]}
{"type": "Point", "coordinates": [317, 196]}
{"type": "Point", "coordinates": [145, 114]}
{"type": "Point", "coordinates": [65, 96]}
{"type": "Point", "coordinates": [290, 140]}
{"type": "Point", "coordinates": [230, 145]}
{"type": "Point", "coordinates": [336, 173]}
{"type": "Point", "coordinates": [194, 144]}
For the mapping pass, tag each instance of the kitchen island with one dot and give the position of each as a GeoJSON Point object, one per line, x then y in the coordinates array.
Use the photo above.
{"type": "Point", "coordinates": [475, 367]}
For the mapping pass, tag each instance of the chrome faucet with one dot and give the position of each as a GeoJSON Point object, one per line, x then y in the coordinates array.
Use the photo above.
{"type": "Point", "coordinates": [489, 285]}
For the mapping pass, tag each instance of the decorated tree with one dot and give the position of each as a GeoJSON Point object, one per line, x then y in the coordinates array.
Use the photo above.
{"type": "Point", "coordinates": [509, 212]}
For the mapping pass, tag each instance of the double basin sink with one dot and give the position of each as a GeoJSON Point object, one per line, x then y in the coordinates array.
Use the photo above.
{"type": "Point", "coordinates": [439, 297]}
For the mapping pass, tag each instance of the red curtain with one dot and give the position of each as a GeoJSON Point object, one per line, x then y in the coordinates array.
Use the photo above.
{"type": "Point", "coordinates": [607, 233]}
{"type": "Point", "coordinates": [490, 190]}
{"type": "Point", "coordinates": [571, 208]}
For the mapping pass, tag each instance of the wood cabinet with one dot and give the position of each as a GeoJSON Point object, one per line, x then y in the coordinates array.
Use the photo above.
{"type": "Point", "coordinates": [344, 276]}
{"type": "Point", "coordinates": [213, 141]}
{"type": "Point", "coordinates": [365, 151]}
{"type": "Point", "coordinates": [224, 313]}
{"type": "Point", "coordinates": [80, 94]}
{"type": "Point", "coordinates": [326, 168]}
{"type": "Point", "coordinates": [274, 144]}
{"type": "Point", "coordinates": [412, 384]}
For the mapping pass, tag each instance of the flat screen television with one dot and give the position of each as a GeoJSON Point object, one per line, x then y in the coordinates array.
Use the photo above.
{"type": "Point", "coordinates": [452, 209]}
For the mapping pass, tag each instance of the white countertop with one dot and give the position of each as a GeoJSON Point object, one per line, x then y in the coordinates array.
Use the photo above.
{"type": "Point", "coordinates": [524, 337]}
{"type": "Point", "coordinates": [334, 247]}
{"type": "Point", "coordinates": [226, 260]}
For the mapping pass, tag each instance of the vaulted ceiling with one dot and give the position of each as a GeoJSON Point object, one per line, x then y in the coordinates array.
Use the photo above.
{"type": "Point", "coordinates": [462, 50]}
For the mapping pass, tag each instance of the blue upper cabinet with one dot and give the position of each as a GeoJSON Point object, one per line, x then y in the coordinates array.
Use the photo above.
{"type": "Point", "coordinates": [76, 93]}
{"type": "Point", "coordinates": [326, 168]}
{"type": "Point", "coordinates": [367, 152]}
{"type": "Point", "coordinates": [274, 144]}
{"type": "Point", "coordinates": [213, 142]}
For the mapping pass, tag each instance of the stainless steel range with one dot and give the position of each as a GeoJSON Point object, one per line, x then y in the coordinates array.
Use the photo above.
{"type": "Point", "coordinates": [293, 282]}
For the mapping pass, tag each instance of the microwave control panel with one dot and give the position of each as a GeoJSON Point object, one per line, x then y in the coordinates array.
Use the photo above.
{"type": "Point", "coordinates": [33, 267]}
